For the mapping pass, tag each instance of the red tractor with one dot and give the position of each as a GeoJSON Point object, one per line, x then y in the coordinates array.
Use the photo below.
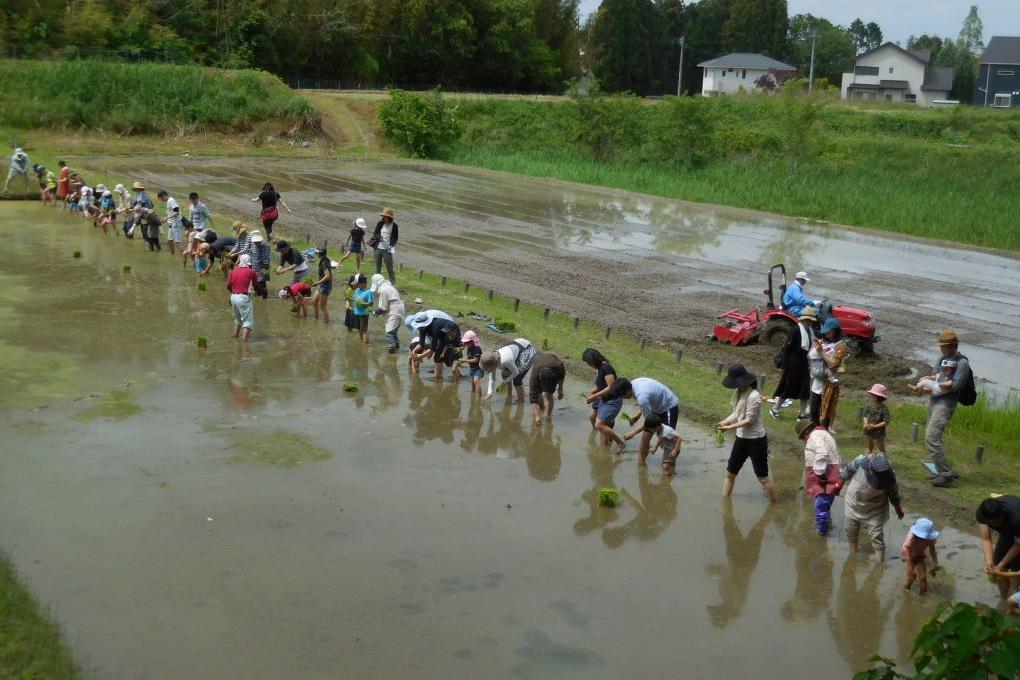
{"type": "Point", "coordinates": [737, 328]}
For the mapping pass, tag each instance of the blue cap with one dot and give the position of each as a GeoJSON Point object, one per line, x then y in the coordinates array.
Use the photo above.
{"type": "Point", "coordinates": [925, 528]}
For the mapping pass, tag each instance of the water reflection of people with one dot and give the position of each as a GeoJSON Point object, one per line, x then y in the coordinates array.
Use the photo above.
{"type": "Point", "coordinates": [656, 509]}
{"type": "Point", "coordinates": [813, 565]}
{"type": "Point", "coordinates": [509, 434]}
{"type": "Point", "coordinates": [388, 386]}
{"type": "Point", "coordinates": [742, 554]}
{"type": "Point", "coordinates": [543, 454]}
{"type": "Point", "coordinates": [602, 468]}
{"type": "Point", "coordinates": [858, 619]}
{"type": "Point", "coordinates": [433, 411]}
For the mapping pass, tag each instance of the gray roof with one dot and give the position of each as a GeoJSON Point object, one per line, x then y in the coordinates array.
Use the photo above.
{"type": "Point", "coordinates": [894, 84]}
{"type": "Point", "coordinates": [923, 55]}
{"type": "Point", "coordinates": [920, 55]}
{"type": "Point", "coordinates": [1002, 50]}
{"type": "Point", "coordinates": [746, 60]}
{"type": "Point", "coordinates": [938, 78]}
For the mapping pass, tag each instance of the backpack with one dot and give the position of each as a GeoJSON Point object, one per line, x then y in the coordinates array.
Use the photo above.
{"type": "Point", "coordinates": [968, 392]}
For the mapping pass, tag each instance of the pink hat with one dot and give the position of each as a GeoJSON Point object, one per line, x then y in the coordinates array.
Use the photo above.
{"type": "Point", "coordinates": [879, 390]}
{"type": "Point", "coordinates": [471, 337]}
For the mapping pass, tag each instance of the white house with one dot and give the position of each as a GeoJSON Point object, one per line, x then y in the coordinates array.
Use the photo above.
{"type": "Point", "coordinates": [738, 71]}
{"type": "Point", "coordinates": [892, 74]}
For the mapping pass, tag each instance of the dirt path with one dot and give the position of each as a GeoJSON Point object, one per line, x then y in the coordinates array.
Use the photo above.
{"type": "Point", "coordinates": [660, 268]}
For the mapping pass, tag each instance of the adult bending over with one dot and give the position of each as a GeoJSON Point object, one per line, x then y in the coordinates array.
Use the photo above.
{"type": "Point", "coordinates": [513, 362]}
{"type": "Point", "coordinates": [654, 399]}
{"type": "Point", "coordinates": [547, 376]}
{"type": "Point", "coordinates": [439, 338]}
{"type": "Point", "coordinates": [751, 438]}
{"type": "Point", "coordinates": [1001, 515]}
{"type": "Point", "coordinates": [871, 490]}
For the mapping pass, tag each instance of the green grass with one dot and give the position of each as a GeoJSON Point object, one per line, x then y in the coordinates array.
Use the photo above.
{"type": "Point", "coordinates": [937, 173]}
{"type": "Point", "coordinates": [30, 643]}
{"type": "Point", "coordinates": [146, 98]}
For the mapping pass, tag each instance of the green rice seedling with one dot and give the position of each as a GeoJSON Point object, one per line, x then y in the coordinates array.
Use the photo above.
{"type": "Point", "coordinates": [609, 497]}
{"type": "Point", "coordinates": [309, 280]}
{"type": "Point", "coordinates": [77, 254]}
{"type": "Point", "coordinates": [720, 438]}
{"type": "Point", "coordinates": [350, 387]}
{"type": "Point", "coordinates": [201, 285]}
{"type": "Point", "coordinates": [503, 325]}
{"type": "Point", "coordinates": [545, 344]}
{"type": "Point", "coordinates": [126, 269]}
{"type": "Point", "coordinates": [203, 342]}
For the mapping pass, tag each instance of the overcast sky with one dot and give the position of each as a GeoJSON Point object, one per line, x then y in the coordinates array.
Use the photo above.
{"type": "Point", "coordinates": [900, 19]}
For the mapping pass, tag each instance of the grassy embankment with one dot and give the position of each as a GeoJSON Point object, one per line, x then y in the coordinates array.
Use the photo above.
{"type": "Point", "coordinates": [938, 173]}
{"type": "Point", "coordinates": [30, 644]}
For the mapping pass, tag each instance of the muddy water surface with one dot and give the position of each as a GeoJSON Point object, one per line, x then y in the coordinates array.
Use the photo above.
{"type": "Point", "coordinates": [227, 513]}
{"type": "Point", "coordinates": [625, 252]}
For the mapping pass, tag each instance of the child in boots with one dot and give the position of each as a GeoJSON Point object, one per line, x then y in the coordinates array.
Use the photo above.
{"type": "Point", "coordinates": [920, 540]}
{"type": "Point", "coordinates": [822, 480]}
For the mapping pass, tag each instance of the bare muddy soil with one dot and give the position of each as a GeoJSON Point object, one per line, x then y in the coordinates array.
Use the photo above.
{"type": "Point", "coordinates": [658, 268]}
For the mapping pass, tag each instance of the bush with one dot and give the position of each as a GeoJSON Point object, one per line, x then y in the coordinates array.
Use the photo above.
{"type": "Point", "coordinates": [606, 125]}
{"type": "Point", "coordinates": [961, 641]}
{"type": "Point", "coordinates": [422, 125]}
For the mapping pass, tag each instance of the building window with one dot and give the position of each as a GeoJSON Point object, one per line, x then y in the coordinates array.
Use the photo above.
{"type": "Point", "coordinates": [890, 69]}
{"type": "Point", "coordinates": [1002, 101]}
{"type": "Point", "coordinates": [888, 97]}
{"type": "Point", "coordinates": [743, 74]}
{"type": "Point", "coordinates": [910, 97]}
{"type": "Point", "coordinates": [1004, 72]}
{"type": "Point", "coordinates": [724, 73]}
{"type": "Point", "coordinates": [865, 70]}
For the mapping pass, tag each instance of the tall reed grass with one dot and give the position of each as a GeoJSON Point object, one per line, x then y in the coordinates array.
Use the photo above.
{"type": "Point", "coordinates": [145, 97]}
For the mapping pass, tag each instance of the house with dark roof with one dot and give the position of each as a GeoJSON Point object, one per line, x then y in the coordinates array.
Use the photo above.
{"type": "Point", "coordinates": [738, 71]}
{"type": "Point", "coordinates": [892, 74]}
{"type": "Point", "coordinates": [998, 81]}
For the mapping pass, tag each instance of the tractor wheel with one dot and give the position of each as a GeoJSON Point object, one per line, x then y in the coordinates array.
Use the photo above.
{"type": "Point", "coordinates": [774, 333]}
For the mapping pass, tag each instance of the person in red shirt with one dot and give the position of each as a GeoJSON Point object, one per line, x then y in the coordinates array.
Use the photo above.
{"type": "Point", "coordinates": [298, 294]}
{"type": "Point", "coordinates": [240, 282]}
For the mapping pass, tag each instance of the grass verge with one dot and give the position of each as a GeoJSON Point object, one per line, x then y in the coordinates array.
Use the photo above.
{"type": "Point", "coordinates": [30, 643]}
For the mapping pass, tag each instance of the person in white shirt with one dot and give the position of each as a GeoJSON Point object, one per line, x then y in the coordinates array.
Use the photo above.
{"type": "Point", "coordinates": [669, 441]}
{"type": "Point", "coordinates": [388, 302]}
{"type": "Point", "coordinates": [174, 220]}
{"type": "Point", "coordinates": [751, 439]}
{"type": "Point", "coordinates": [513, 362]}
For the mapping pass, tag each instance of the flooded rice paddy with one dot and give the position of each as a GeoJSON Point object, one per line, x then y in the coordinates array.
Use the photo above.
{"type": "Point", "coordinates": [228, 513]}
{"type": "Point", "coordinates": [601, 253]}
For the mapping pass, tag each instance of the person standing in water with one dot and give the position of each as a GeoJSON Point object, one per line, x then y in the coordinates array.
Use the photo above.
{"type": "Point", "coordinates": [362, 304]}
{"type": "Point", "coordinates": [513, 361]}
{"type": "Point", "coordinates": [654, 399]}
{"type": "Point", "coordinates": [547, 376]}
{"type": "Point", "coordinates": [270, 212]}
{"type": "Point", "coordinates": [384, 241]}
{"type": "Point", "coordinates": [291, 261]}
{"type": "Point", "coordinates": [261, 259]}
{"type": "Point", "coordinates": [603, 409]}
{"type": "Point", "coordinates": [751, 439]}
{"type": "Point", "coordinates": [323, 285]}
{"type": "Point", "coordinates": [19, 168]}
{"type": "Point", "coordinates": [240, 283]}
{"type": "Point", "coordinates": [388, 303]}
{"type": "Point", "coordinates": [174, 221]}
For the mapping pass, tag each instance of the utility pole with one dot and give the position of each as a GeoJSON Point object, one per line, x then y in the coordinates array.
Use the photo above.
{"type": "Point", "coordinates": [680, 71]}
{"type": "Point", "coordinates": [813, 34]}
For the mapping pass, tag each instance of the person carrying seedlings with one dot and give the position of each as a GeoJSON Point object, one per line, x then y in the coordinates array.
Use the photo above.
{"type": "Point", "coordinates": [174, 221]}
{"type": "Point", "coordinates": [603, 409]}
{"type": "Point", "coordinates": [822, 466]}
{"type": "Point", "coordinates": [388, 303]}
{"type": "Point", "coordinates": [323, 285]}
{"type": "Point", "coordinates": [547, 376]}
{"type": "Point", "coordinates": [243, 244]}
{"type": "Point", "coordinates": [795, 382]}
{"type": "Point", "coordinates": [149, 222]}
{"type": "Point", "coordinates": [107, 212]}
{"type": "Point", "coordinates": [270, 212]}
{"type": "Point", "coordinates": [919, 543]}
{"type": "Point", "coordinates": [669, 440]}
{"type": "Point", "coordinates": [240, 282]}
{"type": "Point", "coordinates": [18, 168]}
{"type": "Point", "coordinates": [751, 439]}
{"type": "Point", "coordinates": [473, 354]}
{"type": "Point", "coordinates": [872, 488]}
{"type": "Point", "coordinates": [297, 293]}
{"type": "Point", "coordinates": [384, 242]}
{"type": "Point", "coordinates": [876, 418]}
{"type": "Point", "coordinates": [1001, 515]}
{"type": "Point", "coordinates": [513, 361]}
{"type": "Point", "coordinates": [654, 399]}
{"type": "Point", "coordinates": [356, 244]}
{"type": "Point", "coordinates": [291, 260]}
{"type": "Point", "coordinates": [941, 407]}
{"type": "Point", "coordinates": [362, 301]}
{"type": "Point", "coordinates": [261, 260]}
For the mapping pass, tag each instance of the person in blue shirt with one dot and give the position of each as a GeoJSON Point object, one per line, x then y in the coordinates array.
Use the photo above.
{"type": "Point", "coordinates": [794, 300]}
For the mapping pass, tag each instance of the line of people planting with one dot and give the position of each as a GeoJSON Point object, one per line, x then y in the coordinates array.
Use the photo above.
{"type": "Point", "coordinates": [811, 361]}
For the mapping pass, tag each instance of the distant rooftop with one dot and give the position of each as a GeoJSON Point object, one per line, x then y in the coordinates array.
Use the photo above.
{"type": "Point", "coordinates": [746, 60]}
{"type": "Point", "coordinates": [1002, 50]}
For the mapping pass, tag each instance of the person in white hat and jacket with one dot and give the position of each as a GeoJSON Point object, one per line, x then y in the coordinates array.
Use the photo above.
{"type": "Point", "coordinates": [19, 168]}
{"type": "Point", "coordinates": [388, 302]}
{"type": "Point", "coordinates": [794, 300]}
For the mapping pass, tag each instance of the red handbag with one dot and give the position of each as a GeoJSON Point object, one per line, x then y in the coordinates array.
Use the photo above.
{"type": "Point", "coordinates": [270, 214]}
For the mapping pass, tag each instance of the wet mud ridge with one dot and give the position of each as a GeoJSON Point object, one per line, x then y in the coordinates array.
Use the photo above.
{"type": "Point", "coordinates": [659, 268]}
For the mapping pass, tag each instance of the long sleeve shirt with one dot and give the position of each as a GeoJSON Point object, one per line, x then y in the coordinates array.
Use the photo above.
{"type": "Point", "coordinates": [794, 300]}
{"type": "Point", "coordinates": [511, 363]}
{"type": "Point", "coordinates": [820, 451]}
{"type": "Point", "coordinates": [951, 396]}
{"type": "Point", "coordinates": [863, 501]}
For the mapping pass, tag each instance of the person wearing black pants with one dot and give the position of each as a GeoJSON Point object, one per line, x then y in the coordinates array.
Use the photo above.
{"type": "Point", "coordinates": [384, 241]}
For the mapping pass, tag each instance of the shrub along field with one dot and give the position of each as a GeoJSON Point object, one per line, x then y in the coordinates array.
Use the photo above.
{"type": "Point", "coordinates": [940, 173]}
{"type": "Point", "coordinates": [146, 98]}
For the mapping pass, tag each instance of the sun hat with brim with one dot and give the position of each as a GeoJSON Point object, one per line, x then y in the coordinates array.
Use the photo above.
{"type": "Point", "coordinates": [808, 313]}
{"type": "Point", "coordinates": [801, 275]}
{"type": "Point", "coordinates": [256, 237]}
{"type": "Point", "coordinates": [925, 528]}
{"type": "Point", "coordinates": [376, 282]}
{"type": "Point", "coordinates": [360, 223]}
{"type": "Point", "coordinates": [738, 376]}
{"type": "Point", "coordinates": [138, 186]}
{"type": "Point", "coordinates": [418, 320]}
{"type": "Point", "coordinates": [948, 337]}
{"type": "Point", "coordinates": [879, 390]}
{"type": "Point", "coordinates": [387, 212]}
{"type": "Point", "coordinates": [471, 338]}
{"type": "Point", "coordinates": [802, 426]}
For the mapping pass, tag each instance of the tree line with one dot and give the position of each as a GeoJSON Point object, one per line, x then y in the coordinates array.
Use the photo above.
{"type": "Point", "coordinates": [526, 45]}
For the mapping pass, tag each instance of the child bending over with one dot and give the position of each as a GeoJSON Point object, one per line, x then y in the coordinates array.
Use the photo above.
{"type": "Point", "coordinates": [669, 440]}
